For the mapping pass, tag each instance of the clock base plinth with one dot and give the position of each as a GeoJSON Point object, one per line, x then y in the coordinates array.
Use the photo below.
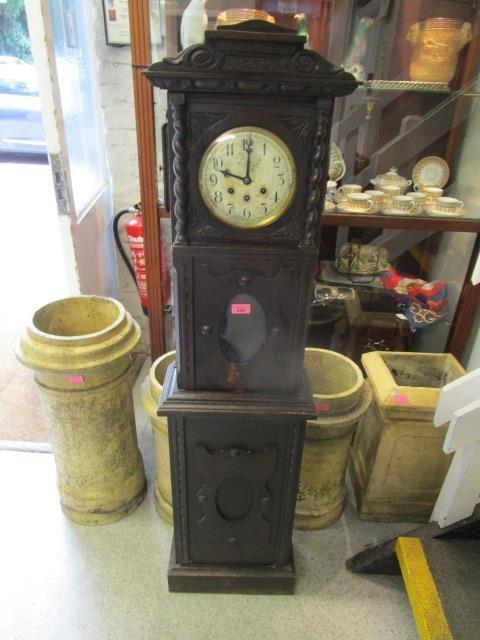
{"type": "Point", "coordinates": [258, 580]}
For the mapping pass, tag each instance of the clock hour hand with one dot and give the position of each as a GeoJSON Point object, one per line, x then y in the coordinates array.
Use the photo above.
{"type": "Point", "coordinates": [228, 174]}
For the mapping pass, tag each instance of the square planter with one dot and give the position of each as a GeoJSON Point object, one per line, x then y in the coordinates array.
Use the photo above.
{"type": "Point", "coordinates": [397, 464]}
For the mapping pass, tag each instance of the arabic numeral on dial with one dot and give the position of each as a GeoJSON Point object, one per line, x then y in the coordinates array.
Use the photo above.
{"type": "Point", "coordinates": [246, 144]}
{"type": "Point", "coordinates": [276, 162]}
{"type": "Point", "coordinates": [230, 208]}
{"type": "Point", "coordinates": [218, 196]}
{"type": "Point", "coordinates": [217, 163]}
{"type": "Point", "coordinates": [276, 196]}
{"type": "Point", "coordinates": [229, 147]}
{"type": "Point", "coordinates": [213, 179]}
{"type": "Point", "coordinates": [264, 148]}
{"type": "Point", "coordinates": [247, 213]}
{"type": "Point", "coordinates": [264, 206]}
{"type": "Point", "coordinates": [281, 178]}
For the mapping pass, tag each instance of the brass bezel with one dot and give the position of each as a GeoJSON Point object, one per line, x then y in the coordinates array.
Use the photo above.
{"type": "Point", "coordinates": [288, 154]}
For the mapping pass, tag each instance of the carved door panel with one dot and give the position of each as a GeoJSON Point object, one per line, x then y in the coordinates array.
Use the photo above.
{"type": "Point", "coordinates": [236, 481]}
{"type": "Point", "coordinates": [248, 322]}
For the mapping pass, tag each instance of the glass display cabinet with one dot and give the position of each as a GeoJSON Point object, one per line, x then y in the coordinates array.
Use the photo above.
{"type": "Point", "coordinates": [401, 219]}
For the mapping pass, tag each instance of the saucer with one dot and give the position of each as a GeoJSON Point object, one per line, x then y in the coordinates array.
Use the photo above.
{"type": "Point", "coordinates": [344, 209]}
{"type": "Point", "coordinates": [458, 213]}
{"type": "Point", "coordinates": [431, 171]}
{"type": "Point", "coordinates": [389, 212]}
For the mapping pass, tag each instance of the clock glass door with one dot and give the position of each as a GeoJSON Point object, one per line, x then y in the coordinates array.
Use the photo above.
{"type": "Point", "coordinates": [244, 328]}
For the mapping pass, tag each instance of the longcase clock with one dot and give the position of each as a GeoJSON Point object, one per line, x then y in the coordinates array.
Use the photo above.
{"type": "Point", "coordinates": [249, 117]}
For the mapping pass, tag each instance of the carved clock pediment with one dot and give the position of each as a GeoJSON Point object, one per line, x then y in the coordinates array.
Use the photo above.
{"type": "Point", "coordinates": [222, 64]}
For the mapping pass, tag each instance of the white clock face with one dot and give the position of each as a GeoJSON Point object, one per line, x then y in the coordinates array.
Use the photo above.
{"type": "Point", "coordinates": [247, 177]}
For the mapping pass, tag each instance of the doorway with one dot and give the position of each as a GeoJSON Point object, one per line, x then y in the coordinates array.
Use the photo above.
{"type": "Point", "coordinates": [56, 192]}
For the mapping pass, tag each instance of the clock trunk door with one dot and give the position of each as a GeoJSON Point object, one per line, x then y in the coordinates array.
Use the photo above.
{"type": "Point", "coordinates": [235, 487]}
{"type": "Point", "coordinates": [249, 320]}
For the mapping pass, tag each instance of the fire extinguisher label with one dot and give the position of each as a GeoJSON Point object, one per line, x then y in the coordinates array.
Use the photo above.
{"type": "Point", "coordinates": [138, 257]}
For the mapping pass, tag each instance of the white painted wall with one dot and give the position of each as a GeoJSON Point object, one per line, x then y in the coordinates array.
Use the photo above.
{"type": "Point", "coordinates": [117, 104]}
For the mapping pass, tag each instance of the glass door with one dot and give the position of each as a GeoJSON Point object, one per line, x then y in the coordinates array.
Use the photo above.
{"type": "Point", "coordinates": [62, 52]}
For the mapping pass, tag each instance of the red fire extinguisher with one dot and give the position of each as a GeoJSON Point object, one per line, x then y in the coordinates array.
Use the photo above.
{"type": "Point", "coordinates": [134, 228]}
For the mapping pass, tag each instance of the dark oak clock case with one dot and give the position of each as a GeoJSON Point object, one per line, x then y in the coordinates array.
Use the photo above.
{"type": "Point", "coordinates": [237, 400]}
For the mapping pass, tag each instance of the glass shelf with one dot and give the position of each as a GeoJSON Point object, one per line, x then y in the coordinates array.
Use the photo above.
{"type": "Point", "coordinates": [415, 87]}
{"type": "Point", "coordinates": [405, 85]}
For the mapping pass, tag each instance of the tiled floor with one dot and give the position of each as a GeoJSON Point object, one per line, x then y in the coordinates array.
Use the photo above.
{"type": "Point", "coordinates": [61, 581]}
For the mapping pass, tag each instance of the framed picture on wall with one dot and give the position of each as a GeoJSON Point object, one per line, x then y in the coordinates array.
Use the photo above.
{"type": "Point", "coordinates": [117, 27]}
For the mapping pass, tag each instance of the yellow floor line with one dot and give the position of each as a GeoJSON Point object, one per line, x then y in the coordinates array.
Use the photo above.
{"type": "Point", "coordinates": [422, 592]}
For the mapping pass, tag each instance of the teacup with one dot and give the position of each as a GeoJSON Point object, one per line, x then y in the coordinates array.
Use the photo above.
{"type": "Point", "coordinates": [377, 197]}
{"type": "Point", "coordinates": [345, 190]}
{"type": "Point", "coordinates": [360, 202]}
{"type": "Point", "coordinates": [391, 190]}
{"type": "Point", "coordinates": [447, 204]}
{"type": "Point", "coordinates": [430, 192]}
{"type": "Point", "coordinates": [419, 198]}
{"type": "Point", "coordinates": [401, 205]}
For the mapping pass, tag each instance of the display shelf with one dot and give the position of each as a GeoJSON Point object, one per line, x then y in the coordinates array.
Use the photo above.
{"type": "Point", "coordinates": [401, 222]}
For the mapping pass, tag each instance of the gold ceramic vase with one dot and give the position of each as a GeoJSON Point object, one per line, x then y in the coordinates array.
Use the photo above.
{"type": "Point", "coordinates": [152, 388]}
{"type": "Point", "coordinates": [436, 43]}
{"type": "Point", "coordinates": [397, 463]}
{"type": "Point", "coordinates": [80, 351]}
{"type": "Point", "coordinates": [341, 398]}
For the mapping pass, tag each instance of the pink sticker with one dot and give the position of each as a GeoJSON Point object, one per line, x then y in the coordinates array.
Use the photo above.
{"type": "Point", "coordinates": [241, 309]}
{"type": "Point", "coordinates": [399, 398]}
{"type": "Point", "coordinates": [75, 379]}
{"type": "Point", "coordinates": [322, 407]}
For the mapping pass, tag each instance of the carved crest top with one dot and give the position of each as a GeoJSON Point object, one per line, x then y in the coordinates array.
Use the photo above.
{"type": "Point", "coordinates": [252, 57]}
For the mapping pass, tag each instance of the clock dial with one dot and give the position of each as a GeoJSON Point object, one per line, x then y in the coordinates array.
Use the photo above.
{"type": "Point", "coordinates": [247, 177]}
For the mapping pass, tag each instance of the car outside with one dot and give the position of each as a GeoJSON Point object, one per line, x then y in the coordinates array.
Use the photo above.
{"type": "Point", "coordinates": [21, 129]}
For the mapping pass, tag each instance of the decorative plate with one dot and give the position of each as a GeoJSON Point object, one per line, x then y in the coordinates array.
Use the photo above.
{"type": "Point", "coordinates": [336, 166]}
{"type": "Point", "coordinates": [431, 171]}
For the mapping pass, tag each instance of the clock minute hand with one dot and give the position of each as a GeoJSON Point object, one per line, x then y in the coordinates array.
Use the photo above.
{"type": "Point", "coordinates": [248, 149]}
